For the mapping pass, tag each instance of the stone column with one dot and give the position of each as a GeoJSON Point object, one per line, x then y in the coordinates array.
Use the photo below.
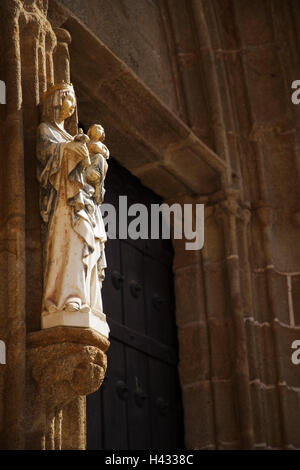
{"type": "Point", "coordinates": [64, 365]}
{"type": "Point", "coordinates": [228, 210]}
{"type": "Point", "coordinates": [210, 307]}
{"type": "Point", "coordinates": [12, 236]}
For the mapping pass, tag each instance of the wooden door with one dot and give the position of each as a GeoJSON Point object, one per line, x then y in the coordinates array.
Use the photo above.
{"type": "Point", "coordinates": [138, 406]}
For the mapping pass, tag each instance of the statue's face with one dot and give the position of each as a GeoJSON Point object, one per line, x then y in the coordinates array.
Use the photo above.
{"type": "Point", "coordinates": [68, 106]}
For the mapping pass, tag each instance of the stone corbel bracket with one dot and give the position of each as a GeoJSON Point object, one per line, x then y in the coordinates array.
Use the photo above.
{"type": "Point", "coordinates": [63, 364]}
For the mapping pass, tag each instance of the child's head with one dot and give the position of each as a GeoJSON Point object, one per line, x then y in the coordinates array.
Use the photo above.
{"type": "Point", "coordinates": [96, 132]}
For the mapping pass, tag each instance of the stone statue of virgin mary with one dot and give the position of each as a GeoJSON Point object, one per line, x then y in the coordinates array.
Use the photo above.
{"type": "Point", "coordinates": [74, 257]}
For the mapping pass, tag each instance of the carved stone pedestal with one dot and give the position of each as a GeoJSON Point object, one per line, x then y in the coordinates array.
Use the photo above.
{"type": "Point", "coordinates": [77, 319]}
{"type": "Point", "coordinates": [63, 365]}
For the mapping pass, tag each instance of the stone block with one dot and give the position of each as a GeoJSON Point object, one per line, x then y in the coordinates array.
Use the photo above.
{"type": "Point", "coordinates": [194, 363]}
{"type": "Point", "coordinates": [199, 416]}
{"type": "Point", "coordinates": [253, 350]}
{"type": "Point", "coordinates": [269, 359]}
{"type": "Point", "coordinates": [289, 372]}
{"type": "Point", "coordinates": [254, 20]}
{"type": "Point", "coordinates": [183, 257]}
{"type": "Point", "coordinates": [280, 297]}
{"type": "Point", "coordinates": [262, 308]}
{"type": "Point", "coordinates": [189, 292]}
{"type": "Point", "coordinates": [257, 400]}
{"type": "Point", "coordinates": [272, 417]}
{"type": "Point", "coordinates": [225, 415]}
{"type": "Point", "coordinates": [291, 408]}
{"type": "Point", "coordinates": [216, 290]}
{"type": "Point", "coordinates": [220, 336]}
{"type": "Point", "coordinates": [268, 102]}
{"type": "Point", "coordinates": [214, 247]}
{"type": "Point", "coordinates": [296, 298]}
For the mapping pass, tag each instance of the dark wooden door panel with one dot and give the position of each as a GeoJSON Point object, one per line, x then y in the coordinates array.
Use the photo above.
{"type": "Point", "coordinates": [138, 400]}
{"type": "Point", "coordinates": [95, 421]}
{"type": "Point", "coordinates": [159, 301]}
{"type": "Point", "coordinates": [163, 405]}
{"type": "Point", "coordinates": [133, 269]}
{"type": "Point", "coordinates": [112, 288]}
{"type": "Point", "coordinates": [143, 343]}
{"type": "Point", "coordinates": [138, 406]}
{"type": "Point", "coordinates": [114, 395]}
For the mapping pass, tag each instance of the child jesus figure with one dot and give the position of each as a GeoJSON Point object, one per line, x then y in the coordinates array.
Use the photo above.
{"type": "Point", "coordinates": [99, 153]}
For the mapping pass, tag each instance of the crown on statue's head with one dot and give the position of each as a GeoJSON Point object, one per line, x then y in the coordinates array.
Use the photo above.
{"type": "Point", "coordinates": [63, 86]}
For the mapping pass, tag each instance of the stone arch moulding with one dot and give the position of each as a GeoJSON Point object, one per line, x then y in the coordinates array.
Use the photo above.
{"type": "Point", "coordinates": [144, 135]}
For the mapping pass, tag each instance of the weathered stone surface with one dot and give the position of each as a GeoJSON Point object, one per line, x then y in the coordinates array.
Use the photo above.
{"type": "Point", "coordinates": [227, 437]}
{"type": "Point", "coordinates": [272, 415]}
{"type": "Point", "coordinates": [214, 249]}
{"type": "Point", "coordinates": [190, 299]}
{"type": "Point", "coordinates": [296, 298]}
{"type": "Point", "coordinates": [217, 294]}
{"type": "Point", "coordinates": [257, 399]}
{"type": "Point", "coordinates": [220, 334]}
{"type": "Point", "coordinates": [194, 353]}
{"type": "Point", "coordinates": [133, 31]}
{"type": "Point", "coordinates": [64, 364]}
{"type": "Point", "coordinates": [182, 257]}
{"type": "Point", "coordinates": [199, 433]}
{"type": "Point", "coordinates": [290, 399]}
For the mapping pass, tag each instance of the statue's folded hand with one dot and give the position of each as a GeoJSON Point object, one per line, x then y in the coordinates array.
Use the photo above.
{"type": "Point", "coordinates": [81, 149]}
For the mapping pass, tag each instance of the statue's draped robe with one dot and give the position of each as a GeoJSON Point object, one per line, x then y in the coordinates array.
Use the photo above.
{"type": "Point", "coordinates": [75, 235]}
